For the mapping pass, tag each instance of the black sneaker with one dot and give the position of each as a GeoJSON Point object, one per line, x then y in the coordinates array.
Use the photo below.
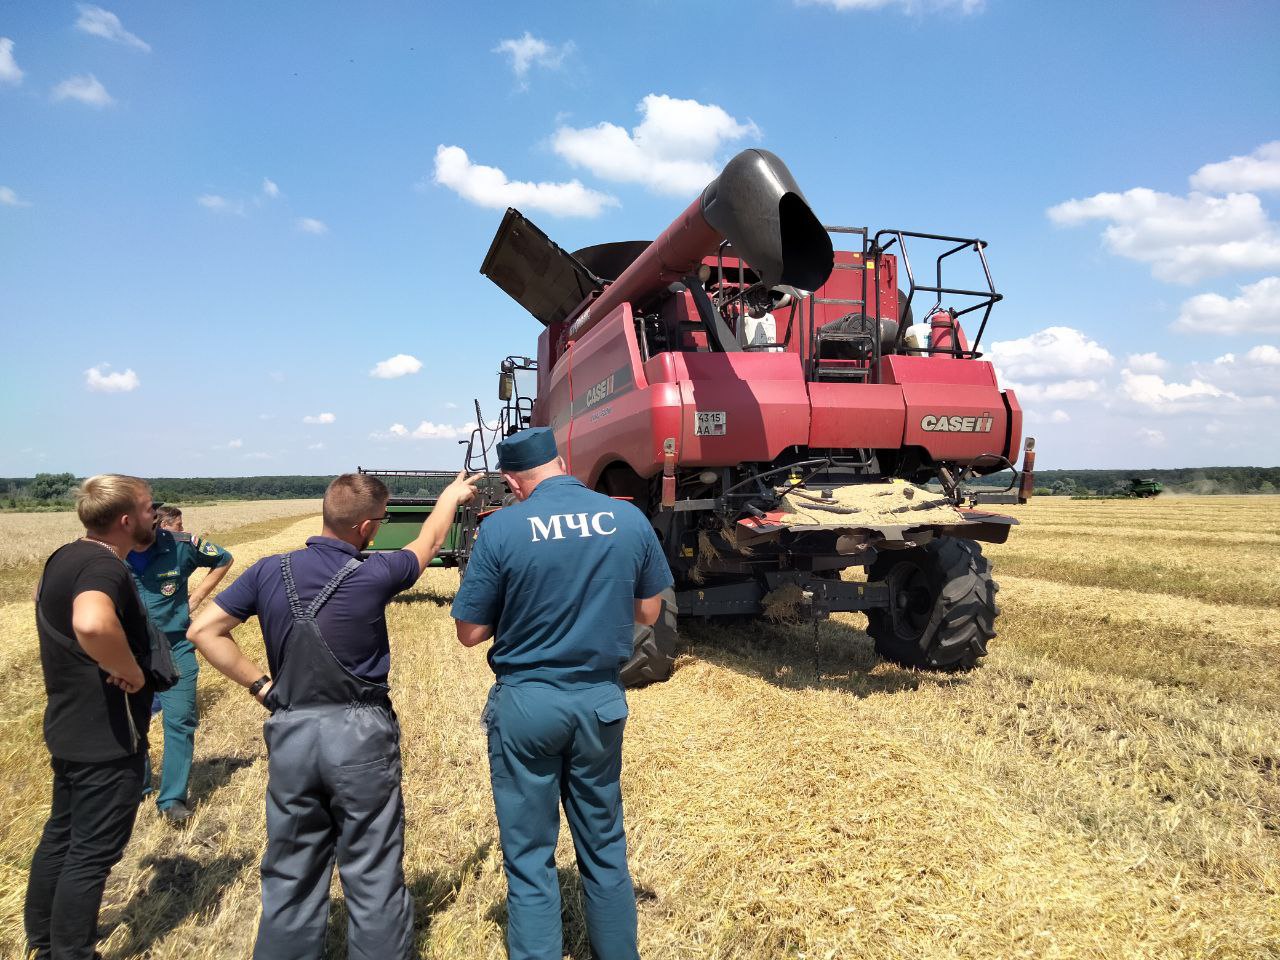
{"type": "Point", "coordinates": [177, 812]}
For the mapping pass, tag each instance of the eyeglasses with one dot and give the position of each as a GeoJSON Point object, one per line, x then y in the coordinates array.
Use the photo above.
{"type": "Point", "coordinates": [382, 519]}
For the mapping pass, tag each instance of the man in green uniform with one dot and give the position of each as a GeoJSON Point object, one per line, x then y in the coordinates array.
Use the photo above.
{"type": "Point", "coordinates": [161, 572]}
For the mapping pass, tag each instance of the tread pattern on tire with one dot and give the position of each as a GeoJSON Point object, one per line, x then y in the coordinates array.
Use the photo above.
{"type": "Point", "coordinates": [962, 620]}
{"type": "Point", "coordinates": [653, 655]}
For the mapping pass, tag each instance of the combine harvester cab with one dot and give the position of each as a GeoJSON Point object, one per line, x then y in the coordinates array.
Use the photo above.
{"type": "Point", "coordinates": [768, 402]}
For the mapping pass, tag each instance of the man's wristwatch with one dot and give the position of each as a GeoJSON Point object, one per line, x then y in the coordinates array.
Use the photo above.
{"type": "Point", "coordinates": [256, 687]}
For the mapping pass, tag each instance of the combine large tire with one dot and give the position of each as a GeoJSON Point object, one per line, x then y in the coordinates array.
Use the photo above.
{"type": "Point", "coordinates": [942, 605]}
{"type": "Point", "coordinates": [654, 652]}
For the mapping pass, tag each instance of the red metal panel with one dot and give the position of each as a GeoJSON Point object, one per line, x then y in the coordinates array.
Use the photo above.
{"type": "Point", "coordinates": [955, 421]}
{"type": "Point", "coordinates": [936, 370]}
{"type": "Point", "coordinates": [856, 415]}
{"type": "Point", "coordinates": [763, 398]}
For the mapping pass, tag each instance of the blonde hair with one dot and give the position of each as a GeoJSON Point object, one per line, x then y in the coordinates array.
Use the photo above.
{"type": "Point", "coordinates": [103, 499]}
{"type": "Point", "coordinates": [353, 497]}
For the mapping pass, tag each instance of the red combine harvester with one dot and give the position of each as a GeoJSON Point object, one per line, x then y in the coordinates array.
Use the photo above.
{"type": "Point", "coordinates": [768, 402]}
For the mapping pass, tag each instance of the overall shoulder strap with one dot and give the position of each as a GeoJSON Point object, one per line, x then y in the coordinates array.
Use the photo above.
{"type": "Point", "coordinates": [326, 592]}
{"type": "Point", "coordinates": [290, 588]}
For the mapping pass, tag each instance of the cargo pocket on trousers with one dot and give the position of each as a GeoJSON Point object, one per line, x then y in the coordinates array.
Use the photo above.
{"type": "Point", "coordinates": [490, 704]}
{"type": "Point", "coordinates": [612, 712]}
{"type": "Point", "coordinates": [370, 782]}
{"type": "Point", "coordinates": [498, 768]}
{"type": "Point", "coordinates": [612, 717]}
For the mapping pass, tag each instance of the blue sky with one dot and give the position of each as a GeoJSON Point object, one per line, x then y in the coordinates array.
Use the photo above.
{"type": "Point", "coordinates": [216, 221]}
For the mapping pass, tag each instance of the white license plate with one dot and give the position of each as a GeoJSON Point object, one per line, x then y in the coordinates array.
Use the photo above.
{"type": "Point", "coordinates": [710, 423]}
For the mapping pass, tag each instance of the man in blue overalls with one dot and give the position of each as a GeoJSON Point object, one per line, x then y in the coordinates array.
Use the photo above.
{"type": "Point", "coordinates": [559, 580]}
{"type": "Point", "coordinates": [161, 572]}
{"type": "Point", "coordinates": [333, 743]}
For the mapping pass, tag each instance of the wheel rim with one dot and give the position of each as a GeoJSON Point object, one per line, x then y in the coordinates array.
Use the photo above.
{"type": "Point", "coordinates": [912, 601]}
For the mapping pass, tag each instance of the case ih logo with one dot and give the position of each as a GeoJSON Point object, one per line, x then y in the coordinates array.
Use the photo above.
{"type": "Point", "coordinates": [939, 424]}
{"type": "Point", "coordinates": [600, 391]}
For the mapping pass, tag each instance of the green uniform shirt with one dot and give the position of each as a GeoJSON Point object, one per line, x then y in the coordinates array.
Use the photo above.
{"type": "Point", "coordinates": [163, 582]}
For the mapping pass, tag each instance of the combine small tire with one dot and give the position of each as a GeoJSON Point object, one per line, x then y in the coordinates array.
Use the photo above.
{"type": "Point", "coordinates": [654, 651]}
{"type": "Point", "coordinates": [942, 605]}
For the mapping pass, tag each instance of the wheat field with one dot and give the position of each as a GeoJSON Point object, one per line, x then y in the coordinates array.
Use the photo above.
{"type": "Point", "coordinates": [1106, 785]}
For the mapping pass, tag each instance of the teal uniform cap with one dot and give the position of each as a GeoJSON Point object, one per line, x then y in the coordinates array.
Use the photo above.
{"type": "Point", "coordinates": [527, 449]}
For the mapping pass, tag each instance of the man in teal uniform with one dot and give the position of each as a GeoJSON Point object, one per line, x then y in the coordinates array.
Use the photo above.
{"type": "Point", "coordinates": [161, 572]}
{"type": "Point", "coordinates": [559, 580]}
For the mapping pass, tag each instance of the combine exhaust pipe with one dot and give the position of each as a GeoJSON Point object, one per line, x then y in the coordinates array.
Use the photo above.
{"type": "Point", "coordinates": [757, 206]}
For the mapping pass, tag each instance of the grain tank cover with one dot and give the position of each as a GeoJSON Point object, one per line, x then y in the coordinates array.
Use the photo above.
{"type": "Point", "coordinates": [535, 272]}
{"type": "Point", "coordinates": [758, 206]}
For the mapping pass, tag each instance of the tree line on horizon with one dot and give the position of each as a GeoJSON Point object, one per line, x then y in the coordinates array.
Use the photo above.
{"type": "Point", "coordinates": [56, 491]}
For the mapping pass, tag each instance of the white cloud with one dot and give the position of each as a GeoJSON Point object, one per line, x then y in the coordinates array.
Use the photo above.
{"type": "Point", "coordinates": [1184, 239]}
{"type": "Point", "coordinates": [1256, 310]}
{"type": "Point", "coordinates": [1259, 170]}
{"type": "Point", "coordinates": [1057, 392]}
{"type": "Point", "coordinates": [312, 226]}
{"type": "Point", "coordinates": [320, 418]}
{"type": "Point", "coordinates": [530, 51]}
{"type": "Point", "coordinates": [672, 151]}
{"type": "Point", "coordinates": [1053, 353]}
{"type": "Point", "coordinates": [84, 88]}
{"type": "Point", "coordinates": [270, 188]}
{"type": "Point", "coordinates": [315, 446]}
{"type": "Point", "coordinates": [1153, 392]}
{"type": "Point", "coordinates": [1265, 355]}
{"type": "Point", "coordinates": [906, 6]}
{"type": "Point", "coordinates": [103, 23]}
{"type": "Point", "coordinates": [220, 204]}
{"type": "Point", "coordinates": [1150, 437]}
{"type": "Point", "coordinates": [450, 405]}
{"type": "Point", "coordinates": [426, 430]}
{"type": "Point", "coordinates": [266, 416]}
{"type": "Point", "coordinates": [100, 381]}
{"type": "Point", "coordinates": [10, 72]}
{"type": "Point", "coordinates": [1146, 363]}
{"type": "Point", "coordinates": [1057, 416]}
{"type": "Point", "coordinates": [489, 187]}
{"type": "Point", "coordinates": [1254, 374]}
{"type": "Point", "coordinates": [229, 445]}
{"type": "Point", "coordinates": [10, 199]}
{"type": "Point", "coordinates": [398, 366]}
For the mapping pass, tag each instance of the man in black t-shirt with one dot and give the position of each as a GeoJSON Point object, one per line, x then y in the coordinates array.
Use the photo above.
{"type": "Point", "coordinates": [93, 635]}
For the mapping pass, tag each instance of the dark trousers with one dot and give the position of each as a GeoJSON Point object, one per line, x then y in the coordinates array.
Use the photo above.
{"type": "Point", "coordinates": [333, 789]}
{"type": "Point", "coordinates": [92, 817]}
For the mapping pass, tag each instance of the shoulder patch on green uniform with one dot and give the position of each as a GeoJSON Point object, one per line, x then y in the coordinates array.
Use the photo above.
{"type": "Point", "coordinates": [209, 548]}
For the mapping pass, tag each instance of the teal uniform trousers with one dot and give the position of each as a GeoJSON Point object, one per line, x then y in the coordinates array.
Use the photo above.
{"type": "Point", "coordinates": [180, 715]}
{"type": "Point", "coordinates": [550, 747]}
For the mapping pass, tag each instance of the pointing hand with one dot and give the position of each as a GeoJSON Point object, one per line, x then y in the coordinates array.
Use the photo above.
{"type": "Point", "coordinates": [463, 488]}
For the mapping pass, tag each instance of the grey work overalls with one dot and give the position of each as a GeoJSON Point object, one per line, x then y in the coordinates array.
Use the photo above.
{"type": "Point", "coordinates": [333, 786]}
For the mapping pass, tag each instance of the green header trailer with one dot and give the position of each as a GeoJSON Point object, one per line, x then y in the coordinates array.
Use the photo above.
{"type": "Point", "coordinates": [407, 515]}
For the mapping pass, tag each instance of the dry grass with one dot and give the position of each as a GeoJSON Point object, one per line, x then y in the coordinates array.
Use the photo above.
{"type": "Point", "coordinates": [1107, 785]}
{"type": "Point", "coordinates": [26, 539]}
{"type": "Point", "coordinates": [29, 537]}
